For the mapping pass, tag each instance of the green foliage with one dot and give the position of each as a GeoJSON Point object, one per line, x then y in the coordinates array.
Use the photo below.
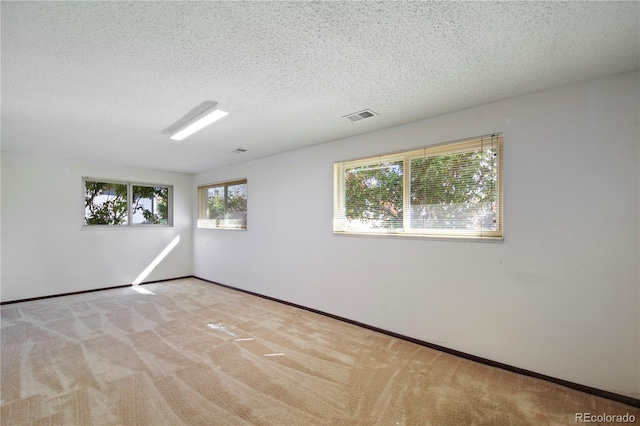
{"type": "Point", "coordinates": [105, 203]}
{"type": "Point", "coordinates": [373, 194]}
{"type": "Point", "coordinates": [228, 202]}
{"type": "Point", "coordinates": [453, 178]}
{"type": "Point", "coordinates": [447, 191]}
{"type": "Point", "coordinates": [158, 198]}
{"type": "Point", "coordinates": [237, 202]}
{"type": "Point", "coordinates": [216, 203]}
{"type": "Point", "coordinates": [451, 191]}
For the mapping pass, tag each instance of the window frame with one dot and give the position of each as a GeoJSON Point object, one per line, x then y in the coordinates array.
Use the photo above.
{"type": "Point", "coordinates": [460, 146]}
{"type": "Point", "coordinates": [204, 222]}
{"type": "Point", "coordinates": [130, 213]}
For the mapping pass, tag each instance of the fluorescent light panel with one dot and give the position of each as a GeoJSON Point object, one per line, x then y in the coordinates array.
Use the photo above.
{"type": "Point", "coordinates": [202, 120]}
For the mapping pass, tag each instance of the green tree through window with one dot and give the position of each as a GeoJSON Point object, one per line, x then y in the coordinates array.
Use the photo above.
{"type": "Point", "coordinates": [152, 203]}
{"type": "Point", "coordinates": [223, 205]}
{"type": "Point", "coordinates": [445, 190]}
{"type": "Point", "coordinates": [373, 194]}
{"type": "Point", "coordinates": [107, 203]}
{"type": "Point", "coordinates": [454, 190]}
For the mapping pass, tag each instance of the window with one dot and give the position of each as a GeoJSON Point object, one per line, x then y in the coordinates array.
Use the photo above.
{"type": "Point", "coordinates": [150, 205]}
{"type": "Point", "coordinates": [124, 203]}
{"type": "Point", "coordinates": [223, 205]}
{"type": "Point", "coordinates": [105, 203]}
{"type": "Point", "coordinates": [450, 190]}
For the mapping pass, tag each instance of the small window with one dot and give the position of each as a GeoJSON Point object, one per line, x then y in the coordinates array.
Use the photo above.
{"type": "Point", "coordinates": [105, 203]}
{"type": "Point", "coordinates": [449, 190]}
{"type": "Point", "coordinates": [223, 205]}
{"type": "Point", "coordinates": [150, 205]}
{"type": "Point", "coordinates": [124, 203]}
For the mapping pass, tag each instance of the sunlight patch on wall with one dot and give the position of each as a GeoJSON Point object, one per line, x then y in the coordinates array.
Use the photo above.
{"type": "Point", "coordinates": [156, 261]}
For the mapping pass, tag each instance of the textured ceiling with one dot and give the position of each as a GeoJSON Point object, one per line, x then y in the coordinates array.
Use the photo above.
{"type": "Point", "coordinates": [102, 80]}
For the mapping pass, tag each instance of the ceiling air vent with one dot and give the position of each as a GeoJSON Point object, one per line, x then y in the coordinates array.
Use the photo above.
{"type": "Point", "coordinates": [239, 150]}
{"type": "Point", "coordinates": [357, 116]}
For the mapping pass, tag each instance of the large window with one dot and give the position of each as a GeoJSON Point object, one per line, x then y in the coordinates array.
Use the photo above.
{"type": "Point", "coordinates": [125, 203]}
{"type": "Point", "coordinates": [223, 205]}
{"type": "Point", "coordinates": [449, 190]}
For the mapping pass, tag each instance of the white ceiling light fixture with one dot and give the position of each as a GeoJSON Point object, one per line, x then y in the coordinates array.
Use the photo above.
{"type": "Point", "coordinates": [198, 122]}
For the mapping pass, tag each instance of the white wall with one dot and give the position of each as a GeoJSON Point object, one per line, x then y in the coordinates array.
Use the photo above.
{"type": "Point", "coordinates": [46, 251]}
{"type": "Point", "coordinates": [560, 296]}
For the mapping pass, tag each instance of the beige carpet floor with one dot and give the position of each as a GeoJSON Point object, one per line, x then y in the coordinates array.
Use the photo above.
{"type": "Point", "coordinates": [186, 352]}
